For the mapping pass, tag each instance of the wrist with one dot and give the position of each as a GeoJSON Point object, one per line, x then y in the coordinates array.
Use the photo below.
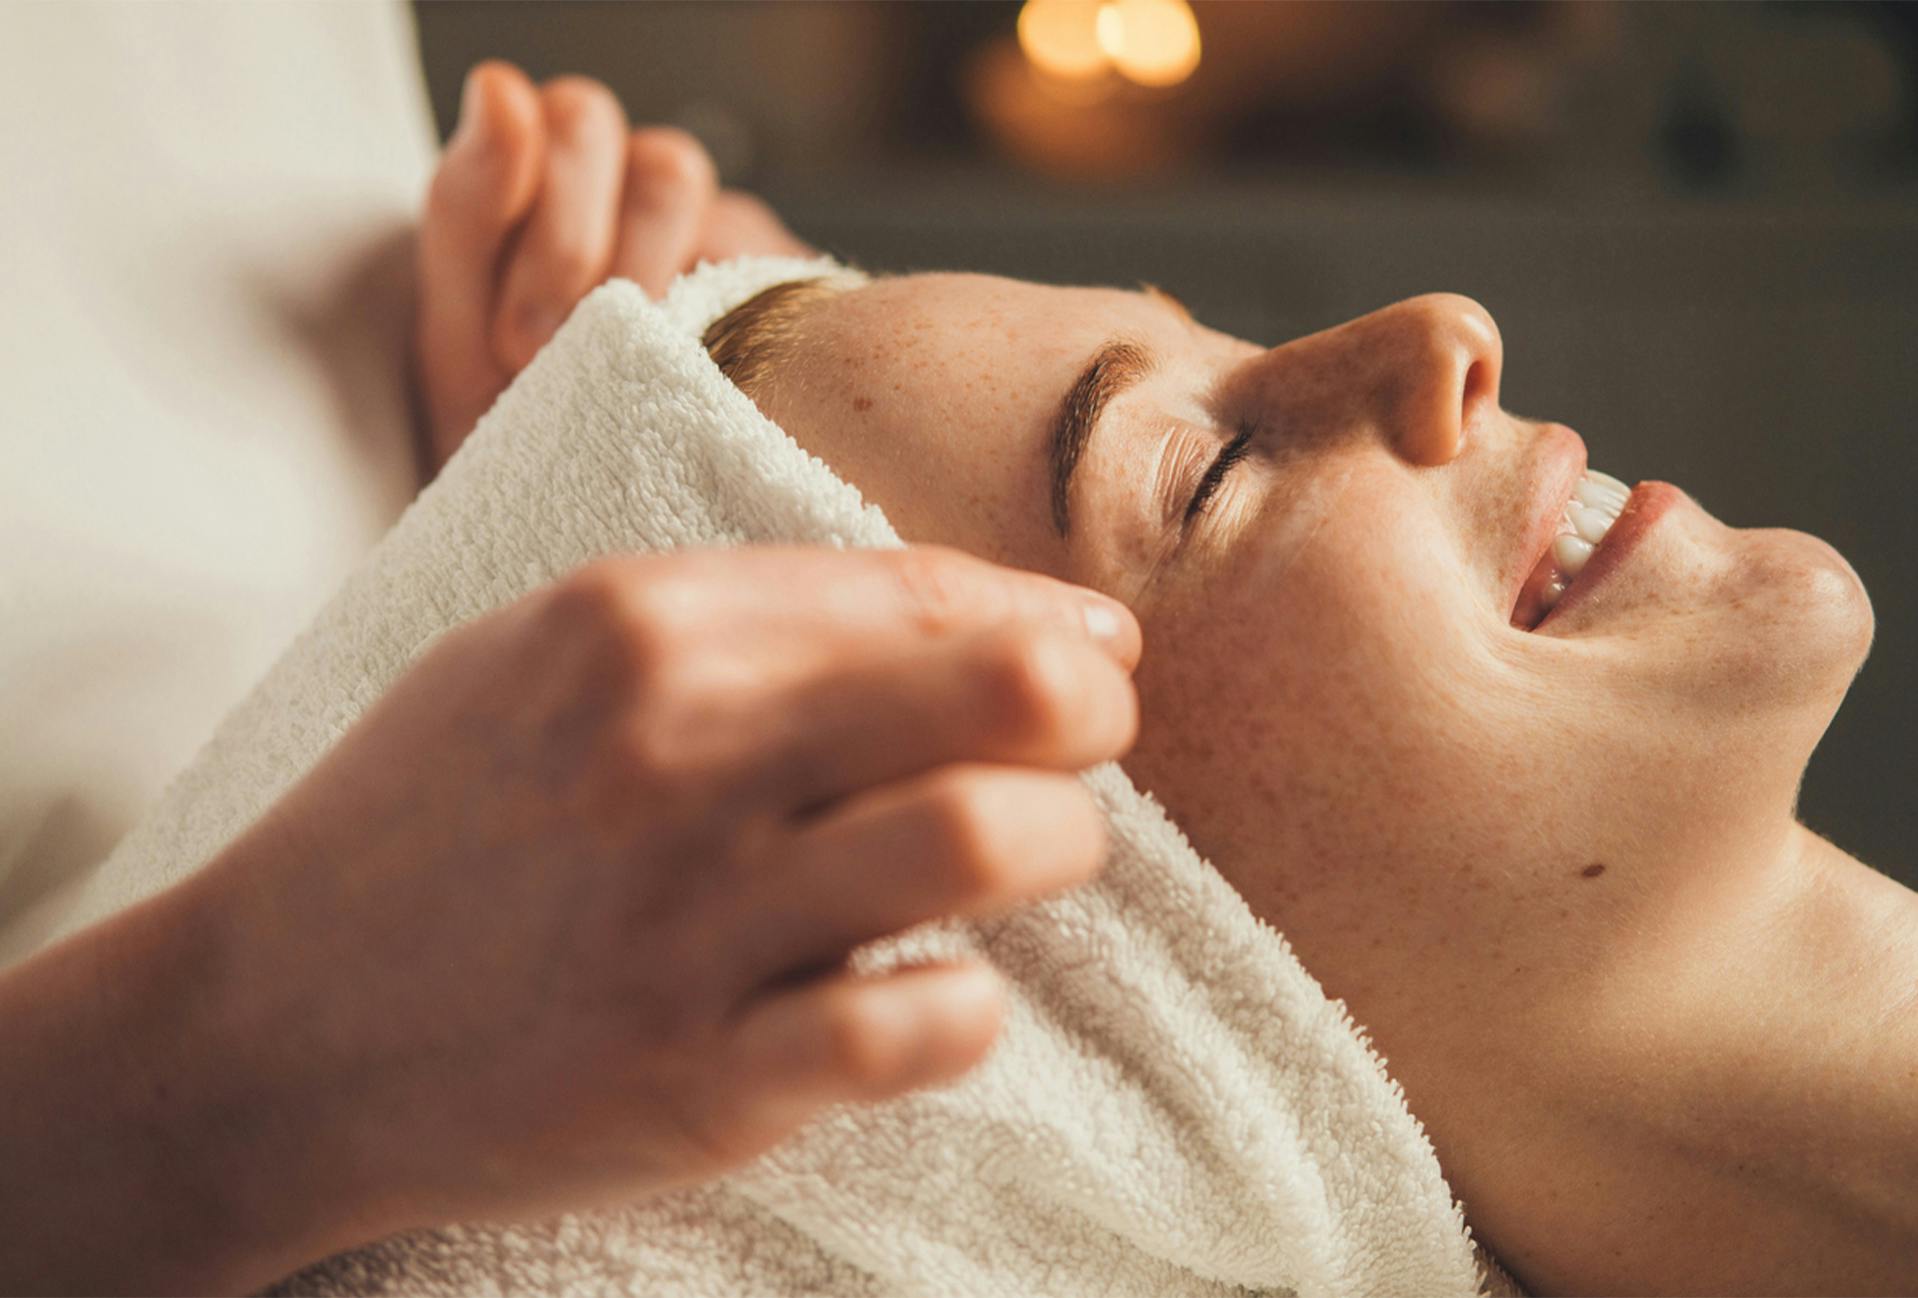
{"type": "Point", "coordinates": [217, 1130]}
{"type": "Point", "coordinates": [152, 1146]}
{"type": "Point", "coordinates": [286, 1155]}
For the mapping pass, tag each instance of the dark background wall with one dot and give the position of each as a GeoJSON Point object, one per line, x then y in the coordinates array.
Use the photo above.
{"type": "Point", "coordinates": [1696, 225]}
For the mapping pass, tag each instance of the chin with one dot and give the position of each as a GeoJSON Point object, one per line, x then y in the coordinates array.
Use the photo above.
{"type": "Point", "coordinates": [1805, 613]}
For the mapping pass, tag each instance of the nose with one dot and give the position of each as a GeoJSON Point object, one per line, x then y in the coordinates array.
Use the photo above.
{"type": "Point", "coordinates": [1419, 374]}
{"type": "Point", "coordinates": [1441, 358]}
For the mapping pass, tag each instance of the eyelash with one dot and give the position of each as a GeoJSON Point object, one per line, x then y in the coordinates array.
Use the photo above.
{"type": "Point", "coordinates": [1233, 452]}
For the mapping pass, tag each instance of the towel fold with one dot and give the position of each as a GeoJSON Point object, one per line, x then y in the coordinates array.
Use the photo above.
{"type": "Point", "coordinates": [1174, 1108]}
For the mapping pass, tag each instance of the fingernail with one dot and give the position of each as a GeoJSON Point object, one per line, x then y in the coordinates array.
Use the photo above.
{"type": "Point", "coordinates": [1112, 627]}
{"type": "Point", "coordinates": [1102, 622]}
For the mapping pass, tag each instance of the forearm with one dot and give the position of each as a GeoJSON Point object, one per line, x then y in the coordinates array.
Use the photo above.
{"type": "Point", "coordinates": [146, 1146]}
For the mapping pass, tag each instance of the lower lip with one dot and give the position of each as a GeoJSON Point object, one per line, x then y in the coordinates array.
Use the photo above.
{"type": "Point", "coordinates": [1648, 502]}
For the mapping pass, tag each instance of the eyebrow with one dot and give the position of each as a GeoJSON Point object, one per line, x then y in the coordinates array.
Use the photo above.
{"type": "Point", "coordinates": [1115, 367]}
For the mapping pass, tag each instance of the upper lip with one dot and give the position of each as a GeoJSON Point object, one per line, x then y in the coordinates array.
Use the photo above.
{"type": "Point", "coordinates": [1560, 464]}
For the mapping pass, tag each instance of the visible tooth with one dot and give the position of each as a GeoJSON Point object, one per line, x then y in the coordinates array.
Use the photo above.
{"type": "Point", "coordinates": [1598, 495]}
{"type": "Point", "coordinates": [1570, 554]}
{"type": "Point", "coordinates": [1608, 482]}
{"type": "Point", "coordinates": [1591, 523]}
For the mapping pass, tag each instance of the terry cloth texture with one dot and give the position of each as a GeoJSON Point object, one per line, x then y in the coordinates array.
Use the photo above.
{"type": "Point", "coordinates": [1175, 1106]}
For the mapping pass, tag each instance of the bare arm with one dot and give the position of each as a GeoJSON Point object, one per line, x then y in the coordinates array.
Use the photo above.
{"type": "Point", "coordinates": [148, 1145]}
{"type": "Point", "coordinates": [408, 994]}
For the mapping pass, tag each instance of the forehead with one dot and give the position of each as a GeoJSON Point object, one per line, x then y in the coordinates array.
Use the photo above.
{"type": "Point", "coordinates": [969, 319]}
{"type": "Point", "coordinates": [935, 395]}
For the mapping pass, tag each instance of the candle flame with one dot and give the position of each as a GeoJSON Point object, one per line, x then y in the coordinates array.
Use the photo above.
{"type": "Point", "coordinates": [1060, 37]}
{"type": "Point", "coordinates": [1148, 42]}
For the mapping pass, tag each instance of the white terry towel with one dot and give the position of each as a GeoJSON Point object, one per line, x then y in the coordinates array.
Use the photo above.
{"type": "Point", "coordinates": [1175, 1107]}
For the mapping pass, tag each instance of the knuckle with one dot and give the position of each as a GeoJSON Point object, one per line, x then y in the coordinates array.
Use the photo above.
{"type": "Point", "coordinates": [630, 637]}
{"type": "Point", "coordinates": [652, 753]}
{"type": "Point", "coordinates": [643, 616]}
{"type": "Point", "coordinates": [667, 158]}
{"type": "Point", "coordinates": [936, 587]}
{"type": "Point", "coordinates": [1034, 687]}
{"type": "Point", "coordinates": [592, 599]}
{"type": "Point", "coordinates": [1012, 836]}
{"type": "Point", "coordinates": [969, 827]}
{"type": "Point", "coordinates": [861, 1047]}
{"type": "Point", "coordinates": [671, 756]}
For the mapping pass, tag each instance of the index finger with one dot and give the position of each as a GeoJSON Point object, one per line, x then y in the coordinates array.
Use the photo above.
{"type": "Point", "coordinates": [929, 591]}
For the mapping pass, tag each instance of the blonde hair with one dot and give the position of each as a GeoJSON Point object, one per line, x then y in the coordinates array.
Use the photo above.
{"type": "Point", "coordinates": [756, 338]}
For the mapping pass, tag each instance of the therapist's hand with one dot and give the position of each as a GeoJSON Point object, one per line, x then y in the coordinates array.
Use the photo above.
{"type": "Point", "coordinates": [544, 193]}
{"type": "Point", "coordinates": [561, 921]}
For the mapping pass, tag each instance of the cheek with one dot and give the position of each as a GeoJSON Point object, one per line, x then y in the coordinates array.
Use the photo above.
{"type": "Point", "coordinates": [1349, 768]}
{"type": "Point", "coordinates": [1346, 708]}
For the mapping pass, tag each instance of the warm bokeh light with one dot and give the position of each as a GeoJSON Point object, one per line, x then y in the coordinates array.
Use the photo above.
{"type": "Point", "coordinates": [1149, 42]}
{"type": "Point", "coordinates": [1060, 37]}
{"type": "Point", "coordinates": [1110, 30]}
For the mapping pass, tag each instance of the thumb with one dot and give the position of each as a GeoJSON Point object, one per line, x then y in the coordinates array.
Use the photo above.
{"type": "Point", "coordinates": [483, 189]}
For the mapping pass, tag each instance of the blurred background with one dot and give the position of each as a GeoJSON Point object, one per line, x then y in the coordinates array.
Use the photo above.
{"type": "Point", "coordinates": [1697, 224]}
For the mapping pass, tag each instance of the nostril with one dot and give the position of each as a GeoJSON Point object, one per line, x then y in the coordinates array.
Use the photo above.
{"type": "Point", "coordinates": [1481, 385]}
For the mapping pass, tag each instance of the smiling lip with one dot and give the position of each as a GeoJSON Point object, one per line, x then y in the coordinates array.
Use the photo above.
{"type": "Point", "coordinates": [1649, 502]}
{"type": "Point", "coordinates": [1562, 465]}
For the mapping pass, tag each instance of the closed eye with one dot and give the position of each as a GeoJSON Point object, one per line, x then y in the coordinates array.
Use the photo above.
{"type": "Point", "coordinates": [1233, 452]}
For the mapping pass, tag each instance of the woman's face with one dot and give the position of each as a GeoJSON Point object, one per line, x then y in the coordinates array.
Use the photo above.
{"type": "Point", "coordinates": [1471, 830]}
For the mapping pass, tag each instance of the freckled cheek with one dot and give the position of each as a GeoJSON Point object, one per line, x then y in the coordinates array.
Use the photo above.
{"type": "Point", "coordinates": [1313, 700]}
{"type": "Point", "coordinates": [1229, 696]}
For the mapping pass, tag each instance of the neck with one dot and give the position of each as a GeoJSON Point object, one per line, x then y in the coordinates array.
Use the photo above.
{"type": "Point", "coordinates": [1750, 1126]}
